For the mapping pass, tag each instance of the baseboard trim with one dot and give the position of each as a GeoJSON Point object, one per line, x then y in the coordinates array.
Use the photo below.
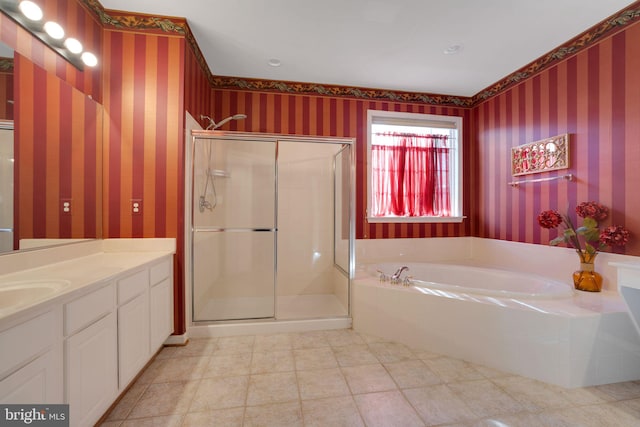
{"type": "Point", "coordinates": [177, 340]}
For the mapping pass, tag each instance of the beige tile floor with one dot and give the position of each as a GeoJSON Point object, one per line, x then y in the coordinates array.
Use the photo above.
{"type": "Point", "coordinates": [342, 378]}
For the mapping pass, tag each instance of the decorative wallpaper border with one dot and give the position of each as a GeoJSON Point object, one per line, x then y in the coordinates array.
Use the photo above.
{"type": "Point", "coordinates": [137, 21]}
{"type": "Point", "coordinates": [140, 22]}
{"type": "Point", "coordinates": [6, 65]}
{"type": "Point", "coordinates": [223, 82]}
{"type": "Point", "coordinates": [611, 25]}
{"type": "Point", "coordinates": [179, 26]}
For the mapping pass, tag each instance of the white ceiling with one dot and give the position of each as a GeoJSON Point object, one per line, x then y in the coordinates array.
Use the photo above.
{"type": "Point", "coordinates": [380, 44]}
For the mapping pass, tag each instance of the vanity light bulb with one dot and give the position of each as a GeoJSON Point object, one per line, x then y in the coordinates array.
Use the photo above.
{"type": "Point", "coordinates": [73, 45]}
{"type": "Point", "coordinates": [89, 59]}
{"type": "Point", "coordinates": [30, 10]}
{"type": "Point", "coordinates": [54, 30]}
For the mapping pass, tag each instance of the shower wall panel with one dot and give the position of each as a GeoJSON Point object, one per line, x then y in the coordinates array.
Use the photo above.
{"type": "Point", "coordinates": [240, 187]}
{"type": "Point", "coordinates": [234, 275]}
{"type": "Point", "coordinates": [305, 218]}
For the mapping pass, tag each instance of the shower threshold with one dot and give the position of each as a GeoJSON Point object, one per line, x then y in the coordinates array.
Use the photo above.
{"type": "Point", "coordinates": [295, 313]}
{"type": "Point", "coordinates": [270, 326]}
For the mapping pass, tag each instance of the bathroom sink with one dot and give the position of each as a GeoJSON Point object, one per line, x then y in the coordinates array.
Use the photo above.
{"type": "Point", "coordinates": [16, 294]}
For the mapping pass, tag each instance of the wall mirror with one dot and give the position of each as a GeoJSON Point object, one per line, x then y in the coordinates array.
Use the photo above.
{"type": "Point", "coordinates": [6, 148]}
{"type": "Point", "coordinates": [54, 173]}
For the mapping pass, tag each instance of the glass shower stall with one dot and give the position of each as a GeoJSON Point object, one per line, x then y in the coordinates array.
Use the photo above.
{"type": "Point", "coordinates": [272, 226]}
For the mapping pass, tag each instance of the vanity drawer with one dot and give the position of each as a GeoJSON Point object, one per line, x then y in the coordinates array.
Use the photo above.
{"type": "Point", "coordinates": [160, 271]}
{"type": "Point", "coordinates": [22, 342]}
{"type": "Point", "coordinates": [133, 285]}
{"type": "Point", "coordinates": [87, 309]}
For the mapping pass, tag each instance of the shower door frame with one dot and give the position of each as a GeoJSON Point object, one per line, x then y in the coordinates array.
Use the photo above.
{"type": "Point", "coordinates": [266, 137]}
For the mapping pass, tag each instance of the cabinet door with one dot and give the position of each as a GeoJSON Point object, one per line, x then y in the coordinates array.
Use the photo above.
{"type": "Point", "coordinates": [92, 370]}
{"type": "Point", "coordinates": [133, 338]}
{"type": "Point", "coordinates": [37, 382]}
{"type": "Point", "coordinates": [161, 308]}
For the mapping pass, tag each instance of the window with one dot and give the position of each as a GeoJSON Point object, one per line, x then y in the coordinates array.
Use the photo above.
{"type": "Point", "coordinates": [414, 164]}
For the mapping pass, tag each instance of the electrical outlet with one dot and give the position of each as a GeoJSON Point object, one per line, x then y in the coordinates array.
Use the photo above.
{"type": "Point", "coordinates": [65, 205]}
{"type": "Point", "coordinates": [136, 206]}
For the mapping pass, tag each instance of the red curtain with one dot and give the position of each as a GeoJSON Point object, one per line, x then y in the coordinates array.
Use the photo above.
{"type": "Point", "coordinates": [410, 175]}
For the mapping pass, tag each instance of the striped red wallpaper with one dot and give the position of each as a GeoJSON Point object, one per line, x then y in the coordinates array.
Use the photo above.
{"type": "Point", "coordinates": [595, 97]}
{"type": "Point", "coordinates": [144, 141]}
{"type": "Point", "coordinates": [58, 157]}
{"type": "Point", "coordinates": [342, 117]}
{"type": "Point", "coordinates": [143, 134]}
{"type": "Point", "coordinates": [197, 91]}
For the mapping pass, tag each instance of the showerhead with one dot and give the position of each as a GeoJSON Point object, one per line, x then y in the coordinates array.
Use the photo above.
{"type": "Point", "coordinates": [213, 125]}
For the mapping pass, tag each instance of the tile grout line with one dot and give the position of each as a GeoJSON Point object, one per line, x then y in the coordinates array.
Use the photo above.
{"type": "Point", "coordinates": [607, 397]}
{"type": "Point", "coordinates": [246, 394]}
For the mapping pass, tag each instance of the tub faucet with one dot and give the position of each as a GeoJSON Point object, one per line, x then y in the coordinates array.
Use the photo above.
{"type": "Point", "coordinates": [395, 278]}
{"type": "Point", "coordinates": [382, 276]}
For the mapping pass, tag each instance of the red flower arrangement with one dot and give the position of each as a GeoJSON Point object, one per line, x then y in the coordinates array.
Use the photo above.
{"type": "Point", "coordinates": [594, 238]}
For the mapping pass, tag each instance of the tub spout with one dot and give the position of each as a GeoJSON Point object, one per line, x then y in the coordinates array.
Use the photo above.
{"type": "Point", "coordinates": [398, 272]}
{"type": "Point", "coordinates": [396, 276]}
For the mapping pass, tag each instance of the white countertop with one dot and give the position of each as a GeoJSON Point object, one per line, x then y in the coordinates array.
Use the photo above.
{"type": "Point", "coordinates": [101, 263]}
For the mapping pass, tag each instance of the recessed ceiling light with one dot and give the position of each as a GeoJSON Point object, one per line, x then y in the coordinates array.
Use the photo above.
{"type": "Point", "coordinates": [453, 49]}
{"type": "Point", "coordinates": [275, 62]}
{"type": "Point", "coordinates": [54, 30]}
{"type": "Point", "coordinates": [30, 10]}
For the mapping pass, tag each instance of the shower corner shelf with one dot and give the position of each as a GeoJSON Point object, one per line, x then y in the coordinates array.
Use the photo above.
{"type": "Point", "coordinates": [568, 177]}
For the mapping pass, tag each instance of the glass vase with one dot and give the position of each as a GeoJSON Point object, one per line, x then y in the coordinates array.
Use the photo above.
{"type": "Point", "coordinates": [587, 279]}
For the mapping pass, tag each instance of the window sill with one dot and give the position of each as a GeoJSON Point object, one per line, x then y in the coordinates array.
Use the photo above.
{"type": "Point", "coordinates": [420, 219]}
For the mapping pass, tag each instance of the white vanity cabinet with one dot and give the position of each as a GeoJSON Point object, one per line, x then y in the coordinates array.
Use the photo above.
{"type": "Point", "coordinates": [161, 303]}
{"type": "Point", "coordinates": [91, 358]}
{"type": "Point", "coordinates": [133, 325]}
{"type": "Point", "coordinates": [145, 316]}
{"type": "Point", "coordinates": [31, 360]}
{"type": "Point", "coordinates": [85, 345]}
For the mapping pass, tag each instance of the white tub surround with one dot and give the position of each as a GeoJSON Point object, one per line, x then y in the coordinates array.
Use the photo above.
{"type": "Point", "coordinates": [472, 279]}
{"type": "Point", "coordinates": [78, 322]}
{"type": "Point", "coordinates": [583, 340]}
{"type": "Point", "coordinates": [629, 288]}
{"type": "Point", "coordinates": [554, 262]}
